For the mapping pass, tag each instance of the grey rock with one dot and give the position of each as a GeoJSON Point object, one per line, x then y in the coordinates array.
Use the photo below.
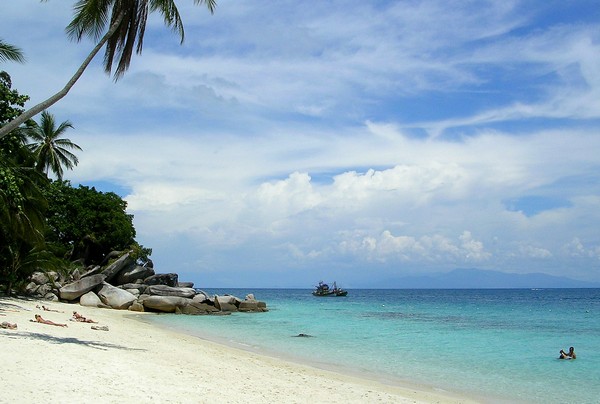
{"type": "Point", "coordinates": [92, 271]}
{"type": "Point", "coordinates": [51, 297]}
{"type": "Point", "coordinates": [90, 299]}
{"type": "Point", "coordinates": [201, 297]}
{"type": "Point", "coordinates": [130, 275]}
{"type": "Point", "coordinates": [41, 278]}
{"type": "Point", "coordinates": [116, 298]}
{"type": "Point", "coordinates": [185, 284]}
{"type": "Point", "coordinates": [125, 261]}
{"type": "Point", "coordinates": [167, 304]}
{"type": "Point", "coordinates": [73, 290]}
{"type": "Point", "coordinates": [226, 303]}
{"type": "Point", "coordinates": [31, 288]}
{"type": "Point", "coordinates": [163, 290]}
{"type": "Point", "coordinates": [140, 287]}
{"type": "Point", "coordinates": [136, 306]}
{"type": "Point", "coordinates": [162, 279]}
{"type": "Point", "coordinates": [196, 308]}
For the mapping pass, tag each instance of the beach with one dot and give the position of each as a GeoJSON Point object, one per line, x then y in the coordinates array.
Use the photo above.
{"type": "Point", "coordinates": [137, 360]}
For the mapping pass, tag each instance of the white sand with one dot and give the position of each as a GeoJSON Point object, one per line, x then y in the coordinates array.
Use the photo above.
{"type": "Point", "coordinates": [144, 363]}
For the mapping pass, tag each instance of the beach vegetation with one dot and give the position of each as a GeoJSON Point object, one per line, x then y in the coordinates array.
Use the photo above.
{"type": "Point", "coordinates": [117, 26]}
{"type": "Point", "coordinates": [10, 52]}
{"type": "Point", "coordinates": [86, 224]}
{"type": "Point", "coordinates": [46, 224]}
{"type": "Point", "coordinates": [52, 152]}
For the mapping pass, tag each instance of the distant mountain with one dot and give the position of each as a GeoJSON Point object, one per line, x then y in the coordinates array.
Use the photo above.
{"type": "Point", "coordinates": [484, 279]}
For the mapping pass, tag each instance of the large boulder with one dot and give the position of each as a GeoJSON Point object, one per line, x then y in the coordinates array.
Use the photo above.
{"type": "Point", "coordinates": [199, 308]}
{"type": "Point", "coordinates": [202, 297]}
{"type": "Point", "coordinates": [163, 290]}
{"type": "Point", "coordinates": [41, 278]}
{"type": "Point", "coordinates": [162, 279]}
{"type": "Point", "coordinates": [73, 290]}
{"type": "Point", "coordinates": [252, 306]}
{"type": "Point", "coordinates": [90, 299]}
{"type": "Point", "coordinates": [140, 287]}
{"type": "Point", "coordinates": [125, 261]}
{"type": "Point", "coordinates": [185, 284]}
{"type": "Point", "coordinates": [116, 298]}
{"type": "Point", "coordinates": [132, 274]}
{"type": "Point", "coordinates": [167, 304]}
{"type": "Point", "coordinates": [93, 270]}
{"type": "Point", "coordinates": [226, 303]}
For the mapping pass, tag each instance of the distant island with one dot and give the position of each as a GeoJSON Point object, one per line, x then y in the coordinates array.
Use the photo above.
{"type": "Point", "coordinates": [472, 278]}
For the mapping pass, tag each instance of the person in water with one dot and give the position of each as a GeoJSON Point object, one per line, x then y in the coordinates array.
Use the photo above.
{"type": "Point", "coordinates": [568, 355]}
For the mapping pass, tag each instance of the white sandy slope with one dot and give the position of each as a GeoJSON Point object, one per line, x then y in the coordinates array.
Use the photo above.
{"type": "Point", "coordinates": [139, 362]}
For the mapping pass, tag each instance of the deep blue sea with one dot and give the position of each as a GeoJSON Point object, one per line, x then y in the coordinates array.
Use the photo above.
{"type": "Point", "coordinates": [498, 345]}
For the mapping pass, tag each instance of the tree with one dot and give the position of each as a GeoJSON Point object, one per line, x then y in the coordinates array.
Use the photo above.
{"type": "Point", "coordinates": [87, 224]}
{"type": "Point", "coordinates": [51, 151]}
{"type": "Point", "coordinates": [127, 27]}
{"type": "Point", "coordinates": [10, 52]}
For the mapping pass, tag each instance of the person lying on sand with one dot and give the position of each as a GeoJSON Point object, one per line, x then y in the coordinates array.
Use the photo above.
{"type": "Point", "coordinates": [39, 319]}
{"type": "Point", "coordinates": [78, 317]}
{"type": "Point", "coordinates": [47, 309]}
{"type": "Point", "coordinates": [6, 324]}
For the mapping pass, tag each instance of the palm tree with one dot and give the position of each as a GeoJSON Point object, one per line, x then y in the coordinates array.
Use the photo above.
{"type": "Point", "coordinates": [127, 26]}
{"type": "Point", "coordinates": [52, 151]}
{"type": "Point", "coordinates": [10, 52]}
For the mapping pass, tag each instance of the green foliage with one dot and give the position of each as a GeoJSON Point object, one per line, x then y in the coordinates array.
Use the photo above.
{"type": "Point", "coordinates": [11, 102]}
{"type": "Point", "coordinates": [86, 222]}
{"type": "Point", "coordinates": [140, 253]}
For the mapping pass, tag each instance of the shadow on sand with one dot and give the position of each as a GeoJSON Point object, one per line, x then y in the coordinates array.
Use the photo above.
{"type": "Point", "coordinates": [105, 346]}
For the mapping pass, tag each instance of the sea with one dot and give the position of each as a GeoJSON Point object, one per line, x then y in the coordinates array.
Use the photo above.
{"type": "Point", "coordinates": [492, 345]}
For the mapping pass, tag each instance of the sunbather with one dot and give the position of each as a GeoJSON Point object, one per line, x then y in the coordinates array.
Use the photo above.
{"type": "Point", "coordinates": [41, 320]}
{"type": "Point", "coordinates": [6, 324]}
{"type": "Point", "coordinates": [81, 319]}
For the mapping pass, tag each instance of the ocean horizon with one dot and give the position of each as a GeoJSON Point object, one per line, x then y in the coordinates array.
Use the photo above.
{"type": "Point", "coordinates": [494, 345]}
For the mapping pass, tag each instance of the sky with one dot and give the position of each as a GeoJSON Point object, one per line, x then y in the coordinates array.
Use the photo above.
{"type": "Point", "coordinates": [286, 142]}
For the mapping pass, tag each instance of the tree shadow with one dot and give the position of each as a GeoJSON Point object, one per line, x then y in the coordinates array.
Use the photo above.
{"type": "Point", "coordinates": [104, 346]}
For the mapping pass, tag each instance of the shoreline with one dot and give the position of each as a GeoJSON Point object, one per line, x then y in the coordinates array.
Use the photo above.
{"type": "Point", "coordinates": [141, 360]}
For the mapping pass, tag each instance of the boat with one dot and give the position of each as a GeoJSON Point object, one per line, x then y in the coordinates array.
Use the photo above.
{"type": "Point", "coordinates": [323, 290]}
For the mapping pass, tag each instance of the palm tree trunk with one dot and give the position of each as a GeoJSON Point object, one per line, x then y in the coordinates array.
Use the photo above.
{"type": "Point", "coordinates": [30, 113]}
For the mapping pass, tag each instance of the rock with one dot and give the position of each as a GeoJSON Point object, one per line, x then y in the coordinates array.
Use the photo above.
{"type": "Point", "coordinates": [44, 289]}
{"type": "Point", "coordinates": [250, 296]}
{"type": "Point", "coordinates": [125, 261]}
{"type": "Point", "coordinates": [94, 270]}
{"type": "Point", "coordinates": [134, 292]}
{"type": "Point", "coordinates": [51, 297]}
{"type": "Point", "coordinates": [136, 306]}
{"type": "Point", "coordinates": [149, 264]}
{"type": "Point", "coordinates": [31, 288]}
{"type": "Point", "coordinates": [226, 303]}
{"type": "Point", "coordinates": [196, 308]}
{"type": "Point", "coordinates": [111, 255]}
{"type": "Point", "coordinates": [90, 299]}
{"type": "Point", "coordinates": [185, 284]}
{"type": "Point", "coordinates": [248, 305]}
{"type": "Point", "coordinates": [162, 279]}
{"type": "Point", "coordinates": [202, 297]}
{"type": "Point", "coordinates": [73, 290]}
{"type": "Point", "coordinates": [114, 297]}
{"type": "Point", "coordinates": [76, 274]}
{"type": "Point", "coordinates": [130, 275]}
{"type": "Point", "coordinates": [163, 290]}
{"type": "Point", "coordinates": [140, 287]}
{"type": "Point", "coordinates": [41, 278]}
{"type": "Point", "coordinates": [167, 304]}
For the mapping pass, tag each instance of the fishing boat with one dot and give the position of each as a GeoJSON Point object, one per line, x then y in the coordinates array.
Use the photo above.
{"type": "Point", "coordinates": [323, 289]}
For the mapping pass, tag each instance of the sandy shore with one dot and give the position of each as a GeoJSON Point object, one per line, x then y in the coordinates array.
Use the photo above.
{"type": "Point", "coordinates": [137, 361]}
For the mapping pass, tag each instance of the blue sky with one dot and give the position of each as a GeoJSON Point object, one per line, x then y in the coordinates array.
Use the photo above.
{"type": "Point", "coordinates": [286, 142]}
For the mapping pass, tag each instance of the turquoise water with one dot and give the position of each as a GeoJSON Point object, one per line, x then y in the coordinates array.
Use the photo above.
{"type": "Point", "coordinates": [501, 345]}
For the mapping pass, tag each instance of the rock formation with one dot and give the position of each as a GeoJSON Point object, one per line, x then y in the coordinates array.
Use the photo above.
{"type": "Point", "coordinates": [122, 284]}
